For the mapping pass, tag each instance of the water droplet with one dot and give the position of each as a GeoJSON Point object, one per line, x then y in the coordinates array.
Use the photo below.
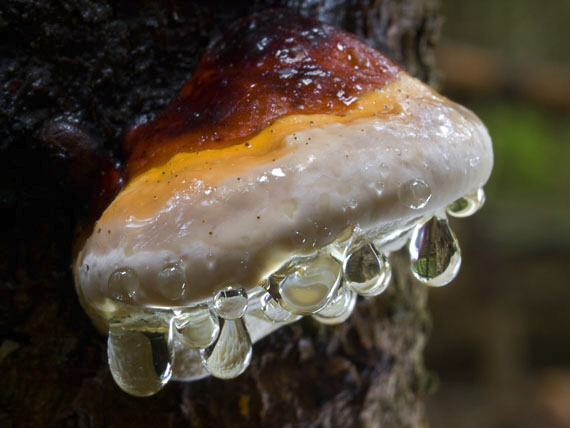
{"type": "Point", "coordinates": [467, 205]}
{"type": "Point", "coordinates": [337, 250]}
{"type": "Point", "coordinates": [414, 193]}
{"type": "Point", "coordinates": [274, 311]}
{"type": "Point", "coordinates": [140, 358]}
{"type": "Point", "coordinates": [123, 283]}
{"type": "Point", "coordinates": [339, 308]}
{"type": "Point", "coordinates": [307, 287]}
{"type": "Point", "coordinates": [378, 187]}
{"type": "Point", "coordinates": [366, 271]}
{"type": "Point", "coordinates": [473, 162]}
{"type": "Point", "coordinates": [172, 281]}
{"type": "Point", "coordinates": [298, 239]}
{"type": "Point", "coordinates": [338, 247]}
{"type": "Point", "coordinates": [230, 355]}
{"type": "Point", "coordinates": [231, 303]}
{"type": "Point", "coordinates": [434, 252]}
{"type": "Point", "coordinates": [198, 327]}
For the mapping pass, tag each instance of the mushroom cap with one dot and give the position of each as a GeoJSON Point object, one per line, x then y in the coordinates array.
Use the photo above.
{"type": "Point", "coordinates": [291, 136]}
{"type": "Point", "coordinates": [233, 216]}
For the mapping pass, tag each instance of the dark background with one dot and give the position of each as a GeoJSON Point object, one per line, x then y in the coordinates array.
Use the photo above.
{"type": "Point", "coordinates": [501, 331]}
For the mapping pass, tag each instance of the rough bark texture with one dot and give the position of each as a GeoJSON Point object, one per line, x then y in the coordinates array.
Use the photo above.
{"type": "Point", "coordinates": [74, 74]}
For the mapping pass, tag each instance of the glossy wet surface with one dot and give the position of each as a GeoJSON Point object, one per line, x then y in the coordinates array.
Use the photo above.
{"type": "Point", "coordinates": [264, 67]}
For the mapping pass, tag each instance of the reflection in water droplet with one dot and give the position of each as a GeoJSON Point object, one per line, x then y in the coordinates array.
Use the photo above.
{"type": "Point", "coordinates": [123, 283]}
{"type": "Point", "coordinates": [414, 193]}
{"type": "Point", "coordinates": [197, 327]}
{"type": "Point", "coordinates": [366, 271]}
{"type": "Point", "coordinates": [274, 311]}
{"type": "Point", "coordinates": [338, 248]}
{"type": "Point", "coordinates": [339, 308]}
{"type": "Point", "coordinates": [140, 358]}
{"type": "Point", "coordinates": [230, 355]}
{"type": "Point", "coordinates": [172, 281]}
{"type": "Point", "coordinates": [467, 205]}
{"type": "Point", "coordinates": [231, 303]}
{"type": "Point", "coordinates": [434, 252]}
{"type": "Point", "coordinates": [307, 287]}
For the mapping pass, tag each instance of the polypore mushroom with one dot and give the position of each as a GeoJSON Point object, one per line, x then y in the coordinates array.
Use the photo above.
{"type": "Point", "coordinates": [292, 161]}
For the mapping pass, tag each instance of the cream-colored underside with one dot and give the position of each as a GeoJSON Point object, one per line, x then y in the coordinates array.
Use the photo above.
{"type": "Point", "coordinates": [233, 216]}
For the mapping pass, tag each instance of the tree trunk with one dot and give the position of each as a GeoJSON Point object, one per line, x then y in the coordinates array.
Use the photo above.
{"type": "Point", "coordinates": [74, 75]}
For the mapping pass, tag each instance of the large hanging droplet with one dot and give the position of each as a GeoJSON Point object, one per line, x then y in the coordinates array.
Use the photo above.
{"type": "Point", "coordinates": [140, 359]}
{"type": "Point", "coordinates": [230, 355]}
{"type": "Point", "coordinates": [434, 252]}
{"type": "Point", "coordinates": [467, 205]}
{"type": "Point", "coordinates": [414, 193]}
{"type": "Point", "coordinates": [339, 308]}
{"type": "Point", "coordinates": [198, 327]}
{"type": "Point", "coordinates": [366, 271]}
{"type": "Point", "coordinates": [274, 311]}
{"type": "Point", "coordinates": [310, 285]}
{"type": "Point", "coordinates": [231, 303]}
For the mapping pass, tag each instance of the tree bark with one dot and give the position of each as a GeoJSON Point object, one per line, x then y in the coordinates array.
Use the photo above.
{"type": "Point", "coordinates": [74, 75]}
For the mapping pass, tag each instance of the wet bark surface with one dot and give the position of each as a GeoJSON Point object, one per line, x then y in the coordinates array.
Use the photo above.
{"type": "Point", "coordinates": [74, 75]}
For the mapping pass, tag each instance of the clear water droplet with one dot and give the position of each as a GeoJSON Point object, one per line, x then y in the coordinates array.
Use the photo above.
{"type": "Point", "coordinates": [414, 193]}
{"type": "Point", "coordinates": [172, 281]}
{"type": "Point", "coordinates": [230, 355]}
{"type": "Point", "coordinates": [123, 283]}
{"type": "Point", "coordinates": [473, 162]}
{"type": "Point", "coordinates": [308, 285]}
{"type": "Point", "coordinates": [231, 303]}
{"type": "Point", "coordinates": [339, 308]}
{"type": "Point", "coordinates": [197, 327]}
{"type": "Point", "coordinates": [379, 187]}
{"type": "Point", "coordinates": [298, 240]}
{"type": "Point", "coordinates": [366, 271]}
{"type": "Point", "coordinates": [338, 248]}
{"type": "Point", "coordinates": [434, 252]}
{"type": "Point", "coordinates": [467, 205]}
{"type": "Point", "coordinates": [274, 311]}
{"type": "Point", "coordinates": [140, 357]}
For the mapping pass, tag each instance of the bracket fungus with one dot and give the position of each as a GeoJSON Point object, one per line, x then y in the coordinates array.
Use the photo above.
{"type": "Point", "coordinates": [290, 164]}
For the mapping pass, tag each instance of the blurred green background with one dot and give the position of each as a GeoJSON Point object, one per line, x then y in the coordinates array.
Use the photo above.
{"type": "Point", "coordinates": [500, 342]}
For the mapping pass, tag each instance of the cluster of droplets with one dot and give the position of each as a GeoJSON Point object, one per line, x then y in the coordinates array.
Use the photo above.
{"type": "Point", "coordinates": [124, 283]}
{"type": "Point", "coordinates": [324, 285]}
